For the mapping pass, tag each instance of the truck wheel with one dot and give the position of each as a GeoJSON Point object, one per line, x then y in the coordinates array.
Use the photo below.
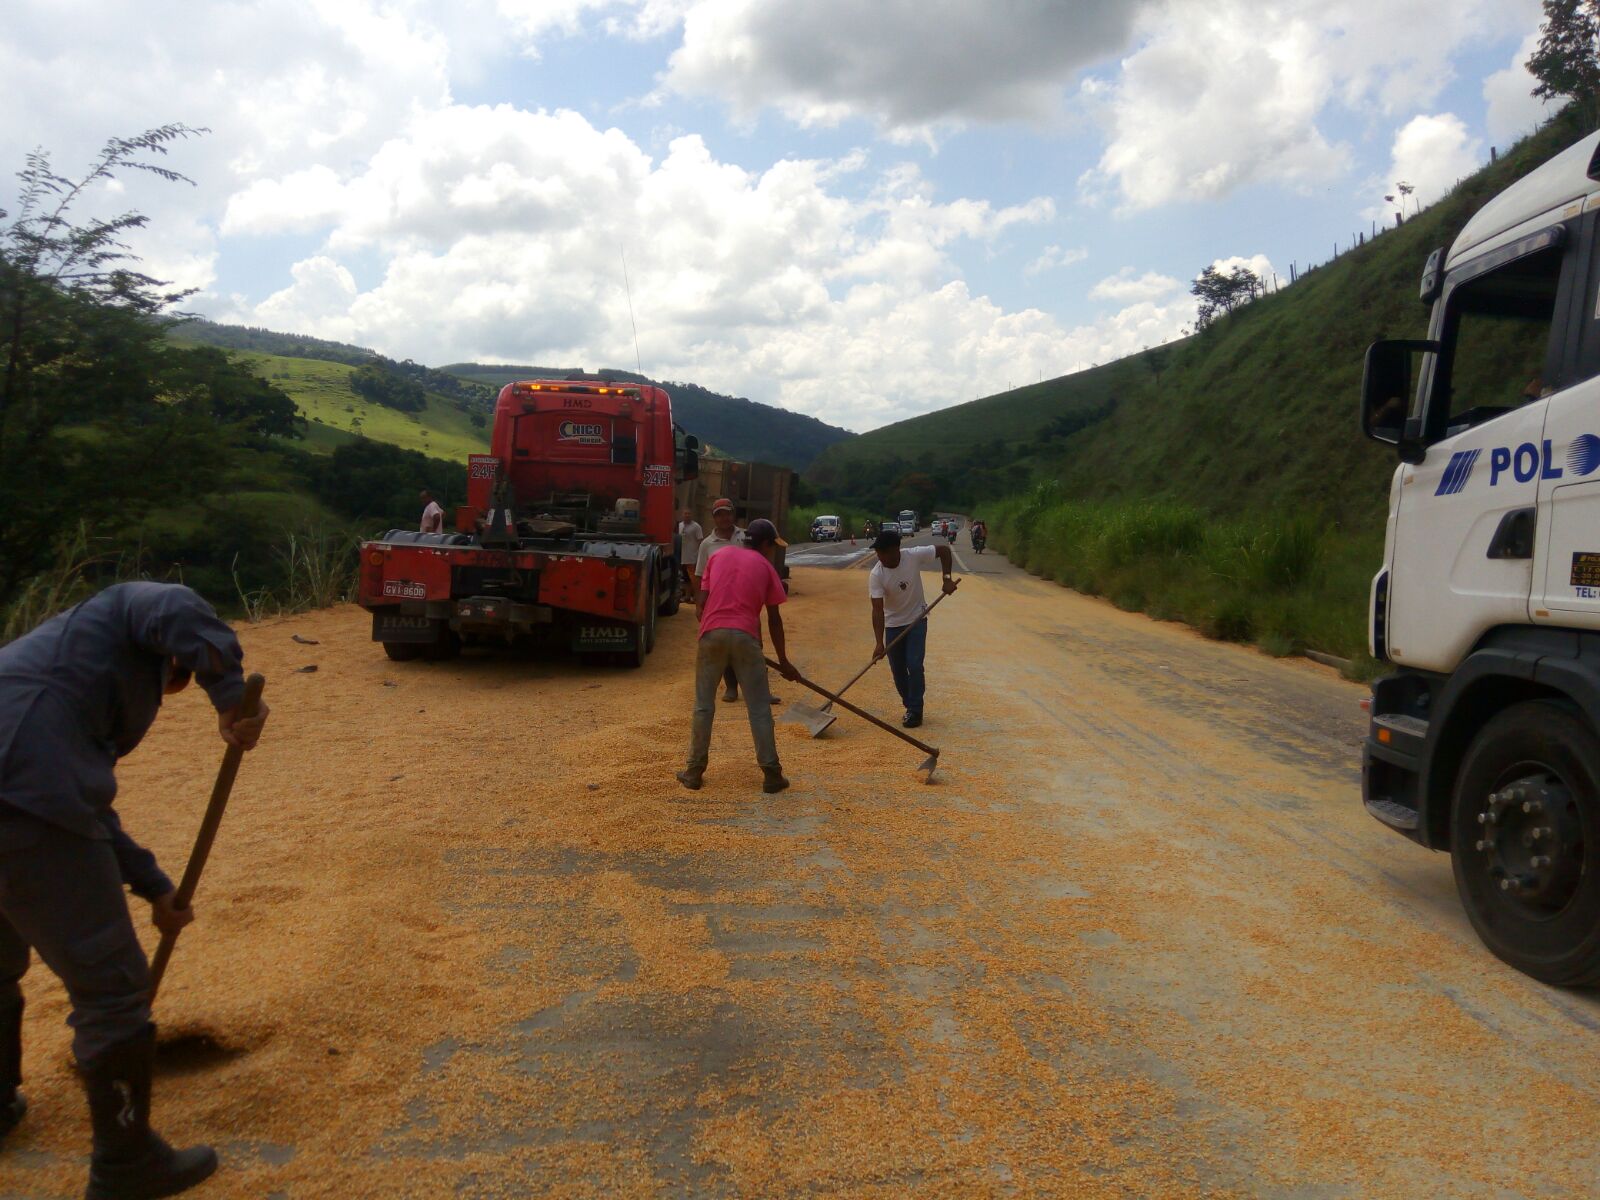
{"type": "Point", "coordinates": [1525, 841]}
{"type": "Point", "coordinates": [634, 656]}
{"type": "Point", "coordinates": [404, 651]}
{"type": "Point", "coordinates": [669, 603]}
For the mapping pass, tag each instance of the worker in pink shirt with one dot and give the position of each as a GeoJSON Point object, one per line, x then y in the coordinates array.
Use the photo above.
{"type": "Point", "coordinates": [739, 581]}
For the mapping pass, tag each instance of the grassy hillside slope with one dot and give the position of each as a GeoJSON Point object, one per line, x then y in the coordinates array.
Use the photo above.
{"type": "Point", "coordinates": [738, 427]}
{"type": "Point", "coordinates": [1010, 420]}
{"type": "Point", "coordinates": [1257, 414]}
{"type": "Point", "coordinates": [321, 391]}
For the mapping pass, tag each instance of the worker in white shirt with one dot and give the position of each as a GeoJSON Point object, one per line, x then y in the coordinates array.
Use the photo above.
{"type": "Point", "coordinates": [690, 535]}
{"type": "Point", "coordinates": [723, 534]}
{"type": "Point", "coordinates": [432, 514]}
{"type": "Point", "coordinates": [895, 587]}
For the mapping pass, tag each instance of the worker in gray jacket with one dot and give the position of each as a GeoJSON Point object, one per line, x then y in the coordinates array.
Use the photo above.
{"type": "Point", "coordinates": [77, 694]}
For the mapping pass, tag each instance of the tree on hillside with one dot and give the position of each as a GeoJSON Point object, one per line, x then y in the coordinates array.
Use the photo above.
{"type": "Point", "coordinates": [1221, 294]}
{"type": "Point", "coordinates": [1156, 362]}
{"type": "Point", "coordinates": [389, 388]}
{"type": "Point", "coordinates": [915, 490]}
{"type": "Point", "coordinates": [101, 417]}
{"type": "Point", "coordinates": [1567, 60]}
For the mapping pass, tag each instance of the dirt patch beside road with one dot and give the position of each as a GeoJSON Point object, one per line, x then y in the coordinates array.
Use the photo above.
{"type": "Point", "coordinates": [470, 936]}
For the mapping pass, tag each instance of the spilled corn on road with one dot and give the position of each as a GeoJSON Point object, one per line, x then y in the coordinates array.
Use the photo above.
{"type": "Point", "coordinates": [464, 935]}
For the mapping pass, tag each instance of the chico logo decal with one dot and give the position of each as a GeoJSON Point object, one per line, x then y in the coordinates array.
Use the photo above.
{"type": "Point", "coordinates": [589, 433]}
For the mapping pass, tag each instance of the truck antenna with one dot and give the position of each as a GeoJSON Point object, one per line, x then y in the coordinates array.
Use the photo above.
{"type": "Point", "coordinates": [628, 288]}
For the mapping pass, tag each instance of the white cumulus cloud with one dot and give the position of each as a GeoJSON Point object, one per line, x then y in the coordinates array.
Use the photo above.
{"type": "Point", "coordinates": [501, 233]}
{"type": "Point", "coordinates": [1053, 258]}
{"type": "Point", "coordinates": [1229, 93]}
{"type": "Point", "coordinates": [904, 63]}
{"type": "Point", "coordinates": [1430, 154]}
{"type": "Point", "coordinates": [1512, 109]}
{"type": "Point", "coordinates": [1128, 286]}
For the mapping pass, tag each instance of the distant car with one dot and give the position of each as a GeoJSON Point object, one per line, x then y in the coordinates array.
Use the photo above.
{"type": "Point", "coordinates": [825, 529]}
{"type": "Point", "coordinates": [907, 528]}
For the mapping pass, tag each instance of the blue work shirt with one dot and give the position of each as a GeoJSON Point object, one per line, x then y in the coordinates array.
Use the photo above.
{"type": "Point", "coordinates": [83, 689]}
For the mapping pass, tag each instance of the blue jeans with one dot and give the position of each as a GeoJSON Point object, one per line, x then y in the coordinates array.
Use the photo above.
{"type": "Point", "coordinates": [905, 664]}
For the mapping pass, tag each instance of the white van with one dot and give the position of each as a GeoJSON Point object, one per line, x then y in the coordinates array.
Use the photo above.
{"type": "Point", "coordinates": [825, 529]}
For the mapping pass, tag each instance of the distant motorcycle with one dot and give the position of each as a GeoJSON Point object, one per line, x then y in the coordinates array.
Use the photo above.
{"type": "Point", "coordinates": [978, 541]}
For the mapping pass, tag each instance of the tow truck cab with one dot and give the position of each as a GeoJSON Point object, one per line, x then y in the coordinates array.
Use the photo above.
{"type": "Point", "coordinates": [563, 445]}
{"type": "Point", "coordinates": [1483, 740]}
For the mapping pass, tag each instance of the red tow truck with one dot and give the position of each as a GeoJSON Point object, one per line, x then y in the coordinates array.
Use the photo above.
{"type": "Point", "coordinates": [568, 533]}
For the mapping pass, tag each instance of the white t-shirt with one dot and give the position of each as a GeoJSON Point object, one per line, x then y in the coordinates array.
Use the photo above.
{"type": "Point", "coordinates": [900, 588]}
{"type": "Point", "coordinates": [711, 545]}
{"type": "Point", "coordinates": [433, 518]}
{"type": "Point", "coordinates": [691, 535]}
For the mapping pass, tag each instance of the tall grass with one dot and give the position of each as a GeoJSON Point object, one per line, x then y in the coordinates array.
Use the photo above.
{"type": "Point", "coordinates": [311, 567]}
{"type": "Point", "coordinates": [316, 568]}
{"type": "Point", "coordinates": [83, 565]}
{"type": "Point", "coordinates": [1285, 584]}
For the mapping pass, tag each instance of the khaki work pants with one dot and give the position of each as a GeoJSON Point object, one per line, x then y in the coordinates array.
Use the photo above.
{"type": "Point", "coordinates": [735, 650]}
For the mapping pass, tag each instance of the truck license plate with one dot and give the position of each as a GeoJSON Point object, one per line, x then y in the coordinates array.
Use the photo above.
{"type": "Point", "coordinates": [395, 627]}
{"type": "Point", "coordinates": [405, 589]}
{"type": "Point", "coordinates": [603, 637]}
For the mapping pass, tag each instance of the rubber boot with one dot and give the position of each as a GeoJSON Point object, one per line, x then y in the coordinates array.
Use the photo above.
{"type": "Point", "coordinates": [692, 778]}
{"type": "Point", "coordinates": [12, 1103]}
{"type": "Point", "coordinates": [772, 780]}
{"type": "Point", "coordinates": [130, 1161]}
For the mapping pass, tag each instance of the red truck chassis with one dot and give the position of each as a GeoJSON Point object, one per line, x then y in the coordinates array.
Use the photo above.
{"type": "Point", "coordinates": [568, 533]}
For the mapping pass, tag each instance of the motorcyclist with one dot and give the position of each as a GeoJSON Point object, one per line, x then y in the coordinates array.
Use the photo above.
{"type": "Point", "coordinates": [980, 535]}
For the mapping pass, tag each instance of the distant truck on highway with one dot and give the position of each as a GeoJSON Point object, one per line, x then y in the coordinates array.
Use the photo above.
{"type": "Point", "coordinates": [568, 533]}
{"type": "Point", "coordinates": [1485, 739]}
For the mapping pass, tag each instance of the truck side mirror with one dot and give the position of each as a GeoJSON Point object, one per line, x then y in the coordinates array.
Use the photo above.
{"type": "Point", "coordinates": [689, 458]}
{"type": "Point", "coordinates": [1387, 387]}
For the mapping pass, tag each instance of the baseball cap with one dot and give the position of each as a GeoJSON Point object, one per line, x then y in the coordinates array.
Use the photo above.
{"type": "Point", "coordinates": [761, 530]}
{"type": "Point", "coordinates": [887, 539]}
{"type": "Point", "coordinates": [724, 503]}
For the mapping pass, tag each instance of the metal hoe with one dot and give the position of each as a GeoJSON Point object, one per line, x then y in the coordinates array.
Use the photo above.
{"type": "Point", "coordinates": [220, 791]}
{"type": "Point", "coordinates": [929, 764]}
{"type": "Point", "coordinates": [817, 720]}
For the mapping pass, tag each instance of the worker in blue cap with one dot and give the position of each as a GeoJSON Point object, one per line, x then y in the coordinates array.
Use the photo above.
{"type": "Point", "coordinates": [76, 695]}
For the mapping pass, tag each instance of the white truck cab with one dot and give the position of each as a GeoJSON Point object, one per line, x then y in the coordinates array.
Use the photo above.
{"type": "Point", "coordinates": [1484, 742]}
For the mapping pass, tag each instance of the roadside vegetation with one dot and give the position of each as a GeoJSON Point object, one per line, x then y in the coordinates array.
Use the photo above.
{"type": "Point", "coordinates": [798, 528]}
{"type": "Point", "coordinates": [1282, 584]}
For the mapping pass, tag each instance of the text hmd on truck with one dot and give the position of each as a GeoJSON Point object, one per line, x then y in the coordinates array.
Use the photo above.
{"type": "Point", "coordinates": [1485, 740]}
{"type": "Point", "coordinates": [568, 533]}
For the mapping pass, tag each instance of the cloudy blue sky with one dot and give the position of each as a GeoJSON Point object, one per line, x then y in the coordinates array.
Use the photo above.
{"type": "Point", "coordinates": [860, 209]}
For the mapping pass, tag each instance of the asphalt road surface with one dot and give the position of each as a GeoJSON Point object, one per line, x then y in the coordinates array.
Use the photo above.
{"type": "Point", "coordinates": [464, 935]}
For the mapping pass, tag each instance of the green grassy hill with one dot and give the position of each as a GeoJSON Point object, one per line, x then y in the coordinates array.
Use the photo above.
{"type": "Point", "coordinates": [739, 428]}
{"type": "Point", "coordinates": [336, 414]}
